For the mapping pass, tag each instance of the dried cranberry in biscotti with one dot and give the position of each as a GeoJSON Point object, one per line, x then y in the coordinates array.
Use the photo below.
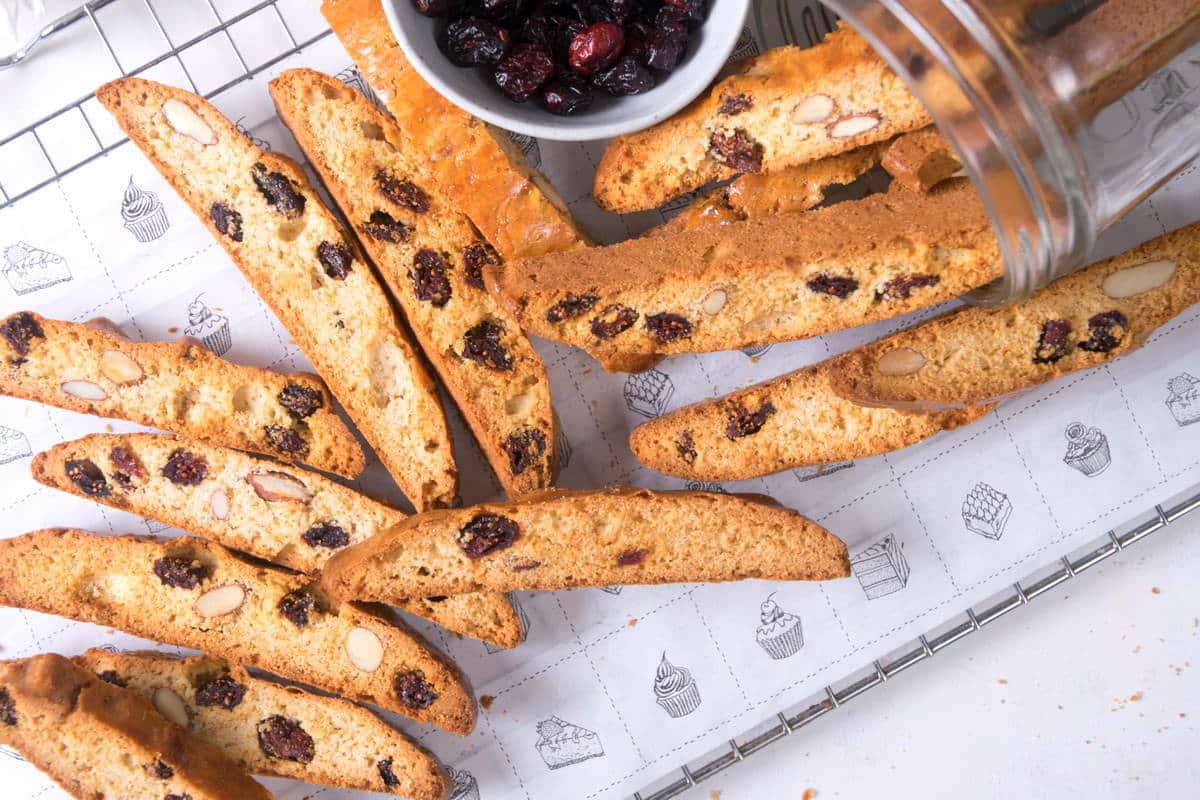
{"type": "Point", "coordinates": [524, 70]}
{"type": "Point", "coordinates": [286, 440]}
{"type": "Point", "coordinates": [111, 676]}
{"type": "Point", "coordinates": [296, 606]}
{"type": "Point", "coordinates": [902, 287]}
{"type": "Point", "coordinates": [1106, 331]}
{"type": "Point", "coordinates": [180, 572]}
{"type": "Point", "coordinates": [220, 692]}
{"type": "Point", "coordinates": [19, 330]}
{"type": "Point", "coordinates": [743, 422]}
{"type": "Point", "coordinates": [1054, 341]}
{"type": "Point", "coordinates": [667, 327]}
{"type": "Point", "coordinates": [383, 227]}
{"type": "Point", "coordinates": [735, 104]}
{"type": "Point", "coordinates": [335, 259]}
{"type": "Point", "coordinates": [474, 42]}
{"type": "Point", "coordinates": [413, 690]}
{"type": "Point", "coordinates": [431, 284]}
{"type": "Point", "coordinates": [403, 193]}
{"type": "Point", "coordinates": [226, 220]}
{"type": "Point", "coordinates": [300, 401]}
{"type": "Point", "coordinates": [481, 344]}
{"type": "Point", "coordinates": [524, 448]}
{"type": "Point", "coordinates": [8, 709]}
{"type": "Point", "coordinates": [185, 468]}
{"type": "Point", "coordinates": [280, 191]}
{"type": "Point", "coordinates": [326, 534]}
{"type": "Point", "coordinates": [487, 533]}
{"type": "Point", "coordinates": [839, 286]}
{"type": "Point", "coordinates": [127, 467]}
{"type": "Point", "coordinates": [475, 258]}
{"type": "Point", "coordinates": [614, 319]}
{"type": "Point", "coordinates": [285, 739]}
{"type": "Point", "coordinates": [685, 445]}
{"type": "Point", "coordinates": [571, 306]}
{"type": "Point", "coordinates": [88, 477]}
{"type": "Point", "coordinates": [736, 150]}
{"type": "Point", "coordinates": [633, 557]}
{"type": "Point", "coordinates": [160, 769]}
{"type": "Point", "coordinates": [387, 774]}
{"type": "Point", "coordinates": [596, 47]}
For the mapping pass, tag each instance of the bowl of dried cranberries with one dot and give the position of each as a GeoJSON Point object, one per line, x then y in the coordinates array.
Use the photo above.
{"type": "Point", "coordinates": [571, 70]}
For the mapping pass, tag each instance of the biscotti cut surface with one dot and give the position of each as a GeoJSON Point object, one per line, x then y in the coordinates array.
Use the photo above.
{"type": "Point", "coordinates": [564, 538]}
{"type": "Point", "coordinates": [921, 160]}
{"type": "Point", "coordinates": [783, 107]}
{"type": "Point", "coordinates": [795, 420]}
{"type": "Point", "coordinates": [270, 729]}
{"type": "Point", "coordinates": [100, 741]}
{"type": "Point", "coordinates": [760, 280]}
{"type": "Point", "coordinates": [1082, 320]}
{"type": "Point", "coordinates": [307, 268]}
{"type": "Point", "coordinates": [294, 518]}
{"type": "Point", "coordinates": [431, 259]}
{"type": "Point", "coordinates": [176, 386]}
{"type": "Point", "coordinates": [197, 594]}
{"type": "Point", "coordinates": [479, 169]}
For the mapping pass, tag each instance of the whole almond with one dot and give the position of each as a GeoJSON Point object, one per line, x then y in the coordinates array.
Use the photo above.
{"type": "Point", "coordinates": [364, 649]}
{"type": "Point", "coordinates": [519, 405]}
{"type": "Point", "coordinates": [901, 361]}
{"type": "Point", "coordinates": [218, 503]}
{"type": "Point", "coordinates": [183, 119]}
{"type": "Point", "coordinates": [815, 108]}
{"type": "Point", "coordinates": [171, 706]}
{"type": "Point", "coordinates": [220, 601]}
{"type": "Point", "coordinates": [84, 390]}
{"type": "Point", "coordinates": [852, 125]}
{"type": "Point", "coordinates": [714, 302]}
{"type": "Point", "coordinates": [1132, 281]}
{"type": "Point", "coordinates": [275, 486]}
{"type": "Point", "coordinates": [120, 368]}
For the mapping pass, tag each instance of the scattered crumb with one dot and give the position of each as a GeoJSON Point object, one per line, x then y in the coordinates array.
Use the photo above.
{"type": "Point", "coordinates": [172, 329]}
{"type": "Point", "coordinates": [1135, 697]}
{"type": "Point", "coordinates": [715, 794]}
{"type": "Point", "coordinates": [108, 428]}
{"type": "Point", "coordinates": [1182, 715]}
{"type": "Point", "coordinates": [632, 622]}
{"type": "Point", "coordinates": [753, 359]}
{"type": "Point", "coordinates": [1155, 590]}
{"type": "Point", "coordinates": [486, 701]}
{"type": "Point", "coordinates": [809, 794]}
{"type": "Point", "coordinates": [1002, 701]}
{"type": "Point", "coordinates": [1060, 708]}
{"type": "Point", "coordinates": [1002, 681]}
{"type": "Point", "coordinates": [1137, 649]}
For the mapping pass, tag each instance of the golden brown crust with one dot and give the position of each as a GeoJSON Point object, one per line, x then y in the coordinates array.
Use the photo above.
{"type": "Point", "coordinates": [921, 160]}
{"type": "Point", "coordinates": [295, 258]}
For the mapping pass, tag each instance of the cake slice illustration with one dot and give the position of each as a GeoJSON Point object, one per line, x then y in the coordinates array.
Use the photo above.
{"type": "Point", "coordinates": [464, 786]}
{"type": "Point", "coordinates": [143, 213]}
{"type": "Point", "coordinates": [29, 269]}
{"type": "Point", "coordinates": [820, 470]}
{"type": "Point", "coordinates": [561, 743]}
{"type": "Point", "coordinates": [13, 445]}
{"type": "Point", "coordinates": [881, 568]}
{"type": "Point", "coordinates": [647, 393]}
{"type": "Point", "coordinates": [1183, 399]}
{"type": "Point", "coordinates": [986, 511]}
{"type": "Point", "coordinates": [1087, 449]}
{"type": "Point", "coordinates": [675, 689]}
{"type": "Point", "coordinates": [210, 328]}
{"type": "Point", "coordinates": [779, 633]}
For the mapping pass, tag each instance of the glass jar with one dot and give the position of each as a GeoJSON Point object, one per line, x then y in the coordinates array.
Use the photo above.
{"type": "Point", "coordinates": [1066, 113]}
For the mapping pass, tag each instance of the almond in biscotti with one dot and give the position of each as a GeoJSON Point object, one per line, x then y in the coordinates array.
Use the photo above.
{"type": "Point", "coordinates": [183, 119]}
{"type": "Point", "coordinates": [901, 361]}
{"type": "Point", "coordinates": [852, 125]}
{"type": "Point", "coordinates": [120, 368]}
{"type": "Point", "coordinates": [275, 486]}
{"type": "Point", "coordinates": [1132, 281]}
{"type": "Point", "coordinates": [84, 390]}
{"type": "Point", "coordinates": [220, 601]}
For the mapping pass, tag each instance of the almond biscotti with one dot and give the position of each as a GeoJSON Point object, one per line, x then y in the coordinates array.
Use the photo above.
{"type": "Point", "coordinates": [564, 538]}
{"type": "Point", "coordinates": [795, 420]}
{"type": "Point", "coordinates": [431, 258]}
{"type": "Point", "coordinates": [271, 729]}
{"type": "Point", "coordinates": [783, 107]}
{"type": "Point", "coordinates": [197, 594]}
{"type": "Point", "coordinates": [307, 268]}
{"type": "Point", "coordinates": [479, 169]}
{"type": "Point", "coordinates": [176, 386]}
{"type": "Point", "coordinates": [761, 280]}
{"type": "Point", "coordinates": [97, 740]}
{"type": "Point", "coordinates": [921, 160]}
{"type": "Point", "coordinates": [294, 518]}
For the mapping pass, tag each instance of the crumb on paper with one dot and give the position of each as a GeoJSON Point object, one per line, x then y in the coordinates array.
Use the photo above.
{"type": "Point", "coordinates": [108, 428]}
{"type": "Point", "coordinates": [1155, 590]}
{"type": "Point", "coordinates": [1135, 697]}
{"type": "Point", "coordinates": [1182, 715]}
{"type": "Point", "coordinates": [809, 794]}
{"type": "Point", "coordinates": [1060, 708]}
{"type": "Point", "coordinates": [486, 701]}
{"type": "Point", "coordinates": [632, 622]}
{"type": "Point", "coordinates": [715, 794]}
{"type": "Point", "coordinates": [1002, 681]}
{"type": "Point", "coordinates": [173, 329]}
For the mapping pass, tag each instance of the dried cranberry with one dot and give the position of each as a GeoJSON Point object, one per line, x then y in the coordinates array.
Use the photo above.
{"type": "Point", "coordinates": [555, 33]}
{"type": "Point", "coordinates": [437, 598]}
{"type": "Point", "coordinates": [126, 461]}
{"type": "Point", "coordinates": [430, 282]}
{"type": "Point", "coordinates": [626, 77]}
{"type": "Point", "coordinates": [667, 42]}
{"type": "Point", "coordinates": [692, 11]}
{"type": "Point", "coordinates": [736, 150]}
{"type": "Point", "coordinates": [901, 288]}
{"type": "Point", "coordinates": [571, 306]}
{"type": "Point", "coordinates": [221, 692]}
{"type": "Point", "coordinates": [621, 10]}
{"type": "Point", "coordinates": [413, 690]}
{"type": "Point", "coordinates": [280, 191]}
{"type": "Point", "coordinates": [385, 228]}
{"type": "Point", "coordinates": [524, 70]}
{"type": "Point", "coordinates": [161, 770]}
{"type": "Point", "coordinates": [613, 319]}
{"type": "Point", "coordinates": [524, 448]}
{"type": "Point", "coordinates": [437, 8]}
{"type": "Point", "coordinates": [487, 533]}
{"type": "Point", "coordinates": [111, 676]}
{"type": "Point", "coordinates": [746, 423]}
{"type": "Point", "coordinates": [386, 774]}
{"type": "Point", "coordinates": [475, 257]}
{"type": "Point", "coordinates": [1105, 332]}
{"type": "Point", "coordinates": [300, 401]}
{"type": "Point", "coordinates": [686, 447]}
{"type": "Point", "coordinates": [668, 327]}
{"type": "Point", "coordinates": [8, 709]}
{"type": "Point", "coordinates": [336, 259]}
{"type": "Point", "coordinates": [405, 194]}
{"type": "Point", "coordinates": [839, 286]}
{"type": "Point", "coordinates": [629, 558]}
{"type": "Point", "coordinates": [179, 572]}
{"type": "Point", "coordinates": [637, 40]}
{"type": "Point", "coordinates": [481, 344]}
{"type": "Point", "coordinates": [736, 103]}
{"type": "Point", "coordinates": [283, 738]}
{"type": "Point", "coordinates": [596, 48]}
{"type": "Point", "coordinates": [172, 796]}
{"type": "Point", "coordinates": [503, 11]}
{"type": "Point", "coordinates": [286, 440]}
{"type": "Point", "coordinates": [326, 534]}
{"type": "Point", "coordinates": [88, 477]}
{"type": "Point", "coordinates": [567, 95]}
{"type": "Point", "coordinates": [185, 468]}
{"type": "Point", "coordinates": [1053, 342]}
{"type": "Point", "coordinates": [226, 220]}
{"type": "Point", "coordinates": [295, 606]}
{"type": "Point", "coordinates": [474, 42]}
{"type": "Point", "coordinates": [19, 330]}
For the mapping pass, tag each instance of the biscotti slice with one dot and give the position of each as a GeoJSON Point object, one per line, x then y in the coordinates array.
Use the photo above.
{"type": "Point", "coordinates": [193, 593]}
{"type": "Point", "coordinates": [176, 386]}
{"type": "Point", "coordinates": [479, 169]}
{"type": "Point", "coordinates": [270, 729]}
{"type": "Point", "coordinates": [761, 280]}
{"type": "Point", "coordinates": [293, 518]}
{"type": "Point", "coordinates": [921, 160]}
{"type": "Point", "coordinates": [783, 107]}
{"type": "Point", "coordinates": [307, 268]}
{"type": "Point", "coordinates": [431, 259]}
{"type": "Point", "coordinates": [795, 420]}
{"type": "Point", "coordinates": [100, 741]}
{"type": "Point", "coordinates": [1082, 320]}
{"type": "Point", "coordinates": [565, 538]}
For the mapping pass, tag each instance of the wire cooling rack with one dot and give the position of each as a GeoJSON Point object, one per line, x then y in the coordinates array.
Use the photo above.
{"type": "Point", "coordinates": [802, 25]}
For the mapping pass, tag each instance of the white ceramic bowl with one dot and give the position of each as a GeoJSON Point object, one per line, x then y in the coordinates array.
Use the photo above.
{"type": "Point", "coordinates": [472, 88]}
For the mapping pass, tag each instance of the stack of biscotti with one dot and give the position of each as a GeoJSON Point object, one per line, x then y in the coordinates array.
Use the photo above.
{"type": "Point", "coordinates": [308, 269]}
{"type": "Point", "coordinates": [290, 517]}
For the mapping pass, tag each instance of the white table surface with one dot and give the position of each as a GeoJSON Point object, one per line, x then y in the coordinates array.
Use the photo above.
{"type": "Point", "coordinates": [1090, 691]}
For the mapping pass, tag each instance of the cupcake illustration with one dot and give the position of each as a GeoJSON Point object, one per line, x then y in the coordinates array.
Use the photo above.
{"type": "Point", "coordinates": [561, 743]}
{"type": "Point", "coordinates": [210, 328]}
{"type": "Point", "coordinates": [465, 787]}
{"type": "Point", "coordinates": [1183, 399]}
{"type": "Point", "coordinates": [13, 445]}
{"type": "Point", "coordinates": [675, 689]}
{"type": "Point", "coordinates": [1087, 449]}
{"type": "Point", "coordinates": [143, 213]}
{"type": "Point", "coordinates": [779, 632]}
{"type": "Point", "coordinates": [28, 268]}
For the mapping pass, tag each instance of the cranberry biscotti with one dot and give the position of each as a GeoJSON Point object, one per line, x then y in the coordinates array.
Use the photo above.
{"type": "Point", "coordinates": [294, 518]}
{"type": "Point", "coordinates": [431, 259]}
{"type": "Point", "coordinates": [197, 594]}
{"type": "Point", "coordinates": [307, 268]}
{"type": "Point", "coordinates": [271, 729]}
{"type": "Point", "coordinates": [564, 538]}
{"type": "Point", "coordinates": [97, 740]}
{"type": "Point", "coordinates": [176, 386]}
